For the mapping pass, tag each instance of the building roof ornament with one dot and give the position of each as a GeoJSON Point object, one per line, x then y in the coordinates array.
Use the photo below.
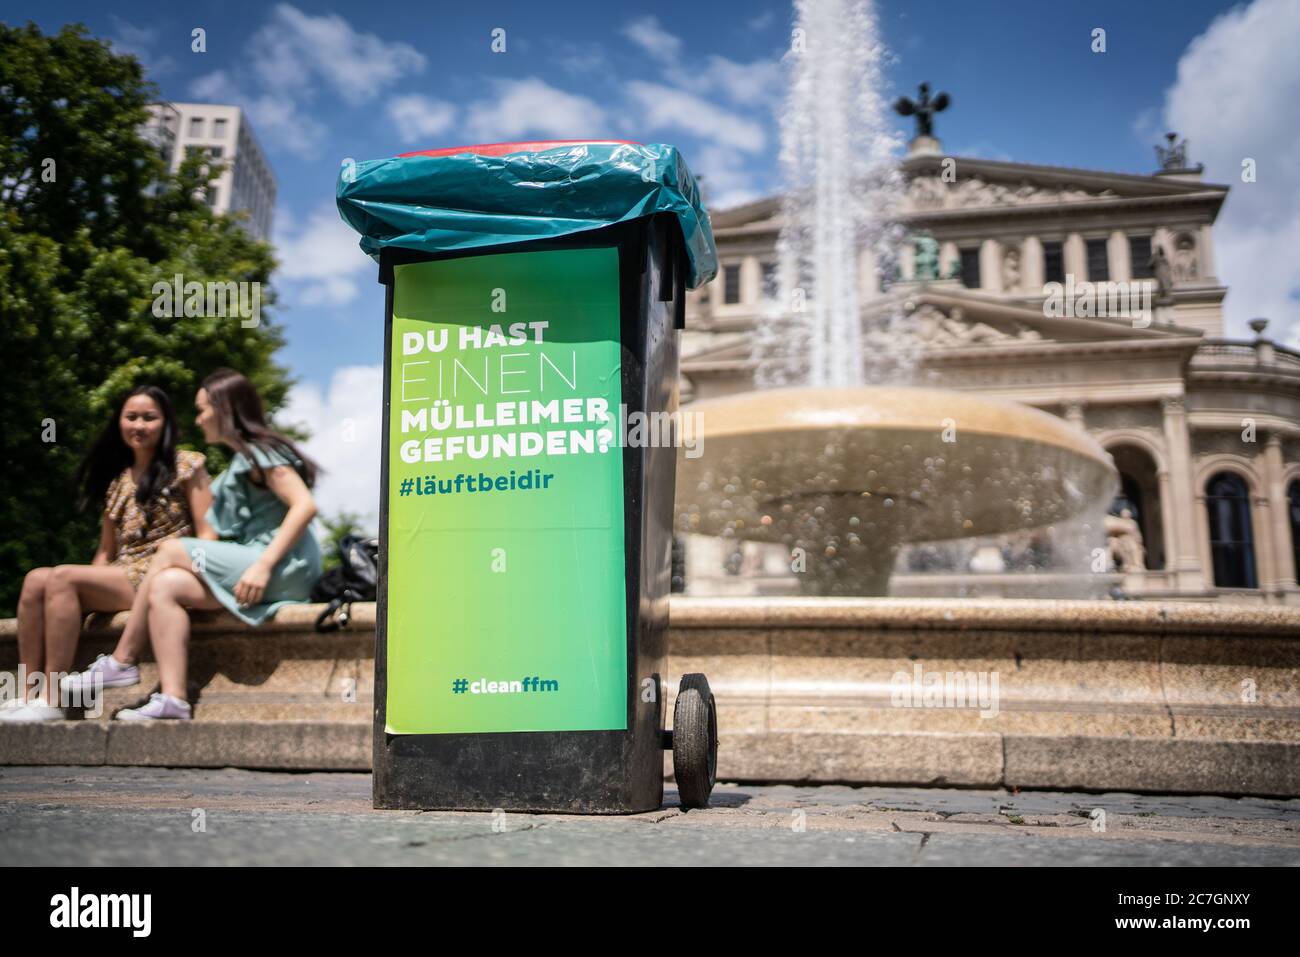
{"type": "Point", "coordinates": [1173, 158]}
{"type": "Point", "coordinates": [923, 108]}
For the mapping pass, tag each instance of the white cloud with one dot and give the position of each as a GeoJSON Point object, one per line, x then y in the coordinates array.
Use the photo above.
{"type": "Point", "coordinates": [138, 42]}
{"type": "Point", "coordinates": [277, 120]}
{"type": "Point", "coordinates": [654, 39]}
{"type": "Point", "coordinates": [1146, 125]}
{"type": "Point", "coordinates": [664, 107]}
{"type": "Point", "coordinates": [580, 59]}
{"type": "Point", "coordinates": [297, 52]}
{"type": "Point", "coordinates": [723, 177]}
{"type": "Point", "coordinates": [345, 422]}
{"type": "Point", "coordinates": [295, 58]}
{"type": "Point", "coordinates": [532, 107]}
{"type": "Point", "coordinates": [419, 117]}
{"type": "Point", "coordinates": [751, 84]}
{"type": "Point", "coordinates": [1238, 83]}
{"type": "Point", "coordinates": [321, 258]}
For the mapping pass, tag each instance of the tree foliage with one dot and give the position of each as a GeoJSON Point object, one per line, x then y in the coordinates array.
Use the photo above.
{"type": "Point", "coordinates": [90, 220]}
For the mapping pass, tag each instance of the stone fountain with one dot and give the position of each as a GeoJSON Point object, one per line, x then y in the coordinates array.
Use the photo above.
{"type": "Point", "coordinates": [836, 455]}
{"type": "Point", "coordinates": [848, 475]}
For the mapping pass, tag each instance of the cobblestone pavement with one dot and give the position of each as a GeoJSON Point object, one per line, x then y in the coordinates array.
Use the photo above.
{"type": "Point", "coordinates": [104, 815]}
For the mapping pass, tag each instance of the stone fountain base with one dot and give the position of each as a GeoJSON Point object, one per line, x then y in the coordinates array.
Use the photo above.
{"type": "Point", "coordinates": [1133, 696]}
{"type": "Point", "coordinates": [843, 477]}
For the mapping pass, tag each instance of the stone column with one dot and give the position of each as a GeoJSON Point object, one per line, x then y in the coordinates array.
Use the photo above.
{"type": "Point", "coordinates": [751, 280]}
{"type": "Point", "coordinates": [1031, 265]}
{"type": "Point", "coordinates": [1074, 414]}
{"type": "Point", "coordinates": [1121, 269]}
{"type": "Point", "coordinates": [907, 260]}
{"type": "Point", "coordinates": [1075, 255]}
{"type": "Point", "coordinates": [1261, 527]}
{"type": "Point", "coordinates": [1279, 526]}
{"type": "Point", "coordinates": [1168, 524]}
{"type": "Point", "coordinates": [1183, 499]}
{"type": "Point", "coordinates": [1205, 254]}
{"type": "Point", "coordinates": [949, 255]}
{"type": "Point", "coordinates": [991, 265]}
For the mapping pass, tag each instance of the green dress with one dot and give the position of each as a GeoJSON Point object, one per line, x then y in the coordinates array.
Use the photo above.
{"type": "Point", "coordinates": [246, 517]}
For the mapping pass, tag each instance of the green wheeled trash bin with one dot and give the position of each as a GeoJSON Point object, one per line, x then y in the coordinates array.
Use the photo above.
{"type": "Point", "coordinates": [533, 297]}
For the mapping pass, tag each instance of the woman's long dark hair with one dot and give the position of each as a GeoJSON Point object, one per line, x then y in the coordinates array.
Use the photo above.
{"type": "Point", "coordinates": [242, 424]}
{"type": "Point", "coordinates": [109, 454]}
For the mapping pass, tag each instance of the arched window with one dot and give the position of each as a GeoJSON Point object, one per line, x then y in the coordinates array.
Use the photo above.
{"type": "Point", "coordinates": [1232, 545]}
{"type": "Point", "coordinates": [1293, 500]}
{"type": "Point", "coordinates": [1140, 494]}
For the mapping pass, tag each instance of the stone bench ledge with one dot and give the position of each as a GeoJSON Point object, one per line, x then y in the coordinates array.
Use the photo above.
{"type": "Point", "coordinates": [929, 614]}
{"type": "Point", "coordinates": [988, 614]}
{"type": "Point", "coordinates": [291, 618]}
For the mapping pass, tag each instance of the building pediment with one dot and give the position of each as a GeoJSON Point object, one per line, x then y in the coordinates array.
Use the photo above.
{"type": "Point", "coordinates": [724, 347]}
{"type": "Point", "coordinates": [953, 329]}
{"type": "Point", "coordinates": [956, 318]}
{"type": "Point", "coordinates": [762, 212]}
{"type": "Point", "coordinates": [946, 319]}
{"type": "Point", "coordinates": [938, 183]}
{"type": "Point", "coordinates": [928, 193]}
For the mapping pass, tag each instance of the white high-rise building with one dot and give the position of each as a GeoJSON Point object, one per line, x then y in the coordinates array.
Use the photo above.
{"type": "Point", "coordinates": [224, 132]}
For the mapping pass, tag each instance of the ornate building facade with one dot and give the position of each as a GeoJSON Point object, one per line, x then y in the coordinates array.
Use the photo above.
{"type": "Point", "coordinates": [1091, 295]}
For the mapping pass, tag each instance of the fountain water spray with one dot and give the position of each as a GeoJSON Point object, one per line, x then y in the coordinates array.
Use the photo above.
{"type": "Point", "coordinates": [826, 458]}
{"type": "Point", "coordinates": [842, 192]}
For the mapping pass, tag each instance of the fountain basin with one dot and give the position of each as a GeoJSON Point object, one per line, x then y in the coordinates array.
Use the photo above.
{"type": "Point", "coordinates": [848, 475]}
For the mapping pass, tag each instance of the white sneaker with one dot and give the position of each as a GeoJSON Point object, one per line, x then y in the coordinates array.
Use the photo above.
{"type": "Point", "coordinates": [33, 712]}
{"type": "Point", "coordinates": [159, 707]}
{"type": "Point", "coordinates": [105, 672]}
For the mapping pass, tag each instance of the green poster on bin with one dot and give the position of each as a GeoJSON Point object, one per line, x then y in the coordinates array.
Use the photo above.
{"type": "Point", "coordinates": [507, 606]}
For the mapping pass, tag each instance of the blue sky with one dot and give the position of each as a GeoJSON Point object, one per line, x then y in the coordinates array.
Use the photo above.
{"type": "Point", "coordinates": [327, 81]}
{"type": "Point", "coordinates": [1024, 83]}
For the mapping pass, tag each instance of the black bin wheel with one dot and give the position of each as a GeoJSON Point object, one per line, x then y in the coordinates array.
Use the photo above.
{"type": "Point", "coordinates": [695, 741]}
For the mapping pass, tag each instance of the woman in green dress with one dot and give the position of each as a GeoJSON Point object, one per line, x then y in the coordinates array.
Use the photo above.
{"type": "Point", "coordinates": [262, 554]}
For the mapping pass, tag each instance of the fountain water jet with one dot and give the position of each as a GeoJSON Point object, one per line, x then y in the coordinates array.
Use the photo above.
{"type": "Point", "coordinates": [816, 459]}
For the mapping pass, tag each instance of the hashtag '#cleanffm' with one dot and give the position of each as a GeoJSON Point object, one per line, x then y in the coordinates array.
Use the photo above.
{"type": "Point", "coordinates": [460, 685]}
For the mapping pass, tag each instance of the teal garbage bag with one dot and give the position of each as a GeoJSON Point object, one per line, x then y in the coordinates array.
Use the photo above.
{"type": "Point", "coordinates": [474, 197]}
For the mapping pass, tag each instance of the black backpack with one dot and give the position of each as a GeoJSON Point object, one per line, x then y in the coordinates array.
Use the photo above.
{"type": "Point", "coordinates": [353, 579]}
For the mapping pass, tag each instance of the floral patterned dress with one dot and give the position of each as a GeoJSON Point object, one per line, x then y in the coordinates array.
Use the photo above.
{"type": "Point", "coordinates": [141, 528]}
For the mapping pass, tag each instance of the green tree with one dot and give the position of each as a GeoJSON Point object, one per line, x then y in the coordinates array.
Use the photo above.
{"type": "Point", "coordinates": [90, 220]}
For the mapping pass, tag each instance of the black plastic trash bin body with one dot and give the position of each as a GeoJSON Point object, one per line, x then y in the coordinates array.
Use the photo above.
{"type": "Point", "coordinates": [525, 554]}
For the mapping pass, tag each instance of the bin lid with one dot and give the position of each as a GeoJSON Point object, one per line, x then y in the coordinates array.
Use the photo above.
{"type": "Point", "coordinates": [470, 197]}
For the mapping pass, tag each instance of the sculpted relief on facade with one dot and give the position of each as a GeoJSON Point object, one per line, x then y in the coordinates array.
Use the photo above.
{"type": "Point", "coordinates": [939, 330]}
{"type": "Point", "coordinates": [931, 192]}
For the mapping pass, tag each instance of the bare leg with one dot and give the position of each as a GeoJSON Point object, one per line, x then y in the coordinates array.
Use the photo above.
{"type": "Point", "coordinates": [135, 636]}
{"type": "Point", "coordinates": [70, 592]}
{"type": "Point", "coordinates": [31, 623]}
{"type": "Point", "coordinates": [172, 592]}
